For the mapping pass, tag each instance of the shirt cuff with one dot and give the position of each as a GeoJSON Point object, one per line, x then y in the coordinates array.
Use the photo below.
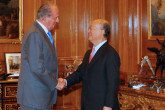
{"type": "Point", "coordinates": [65, 81]}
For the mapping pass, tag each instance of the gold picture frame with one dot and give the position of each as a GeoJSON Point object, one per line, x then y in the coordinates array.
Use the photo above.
{"type": "Point", "coordinates": [13, 63]}
{"type": "Point", "coordinates": [11, 21]}
{"type": "Point", "coordinates": [156, 26]}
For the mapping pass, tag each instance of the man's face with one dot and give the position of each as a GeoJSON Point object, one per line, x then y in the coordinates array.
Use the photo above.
{"type": "Point", "coordinates": [94, 33]}
{"type": "Point", "coordinates": [53, 19]}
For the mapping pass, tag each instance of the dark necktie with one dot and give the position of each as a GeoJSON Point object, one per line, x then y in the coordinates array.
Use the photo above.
{"type": "Point", "coordinates": [51, 38]}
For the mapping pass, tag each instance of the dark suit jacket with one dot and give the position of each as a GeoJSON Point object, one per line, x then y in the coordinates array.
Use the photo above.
{"type": "Point", "coordinates": [39, 70]}
{"type": "Point", "coordinates": [100, 79]}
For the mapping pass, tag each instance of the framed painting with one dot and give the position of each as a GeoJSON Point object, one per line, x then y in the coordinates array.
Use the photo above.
{"type": "Point", "coordinates": [13, 63]}
{"type": "Point", "coordinates": [11, 21]}
{"type": "Point", "coordinates": [156, 19]}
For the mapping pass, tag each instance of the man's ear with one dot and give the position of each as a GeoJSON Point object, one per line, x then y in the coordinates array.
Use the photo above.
{"type": "Point", "coordinates": [45, 18]}
{"type": "Point", "coordinates": [103, 32]}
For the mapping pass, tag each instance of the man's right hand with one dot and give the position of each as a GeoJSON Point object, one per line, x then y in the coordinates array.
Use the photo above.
{"type": "Point", "coordinates": [61, 84]}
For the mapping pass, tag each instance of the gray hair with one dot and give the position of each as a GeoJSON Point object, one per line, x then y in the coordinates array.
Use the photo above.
{"type": "Point", "coordinates": [45, 10]}
{"type": "Point", "coordinates": [104, 25]}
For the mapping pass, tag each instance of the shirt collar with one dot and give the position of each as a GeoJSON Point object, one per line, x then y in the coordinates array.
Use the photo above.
{"type": "Point", "coordinates": [98, 46]}
{"type": "Point", "coordinates": [43, 27]}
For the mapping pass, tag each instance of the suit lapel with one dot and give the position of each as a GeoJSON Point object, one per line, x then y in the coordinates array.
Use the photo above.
{"type": "Point", "coordinates": [45, 36]}
{"type": "Point", "coordinates": [98, 54]}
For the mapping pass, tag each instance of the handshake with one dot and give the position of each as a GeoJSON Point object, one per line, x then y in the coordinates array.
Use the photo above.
{"type": "Point", "coordinates": [61, 84]}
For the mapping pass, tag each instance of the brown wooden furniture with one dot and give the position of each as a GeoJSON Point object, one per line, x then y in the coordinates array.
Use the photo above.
{"type": "Point", "coordinates": [68, 99]}
{"type": "Point", "coordinates": [8, 90]}
{"type": "Point", "coordinates": [131, 99]}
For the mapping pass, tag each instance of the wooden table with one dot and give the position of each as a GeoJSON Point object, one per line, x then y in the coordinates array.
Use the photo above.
{"type": "Point", "coordinates": [144, 99]}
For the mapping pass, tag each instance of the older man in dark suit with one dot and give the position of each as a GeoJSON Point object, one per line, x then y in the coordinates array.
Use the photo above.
{"type": "Point", "coordinates": [39, 64]}
{"type": "Point", "coordinates": [99, 71]}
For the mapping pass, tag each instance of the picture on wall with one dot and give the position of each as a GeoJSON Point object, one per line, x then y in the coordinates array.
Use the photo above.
{"type": "Point", "coordinates": [156, 18]}
{"type": "Point", "coordinates": [13, 63]}
{"type": "Point", "coordinates": [9, 19]}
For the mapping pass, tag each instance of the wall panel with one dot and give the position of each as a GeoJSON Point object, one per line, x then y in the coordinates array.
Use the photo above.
{"type": "Point", "coordinates": [145, 42]}
{"type": "Point", "coordinates": [129, 34]}
{"type": "Point", "coordinates": [133, 36]}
